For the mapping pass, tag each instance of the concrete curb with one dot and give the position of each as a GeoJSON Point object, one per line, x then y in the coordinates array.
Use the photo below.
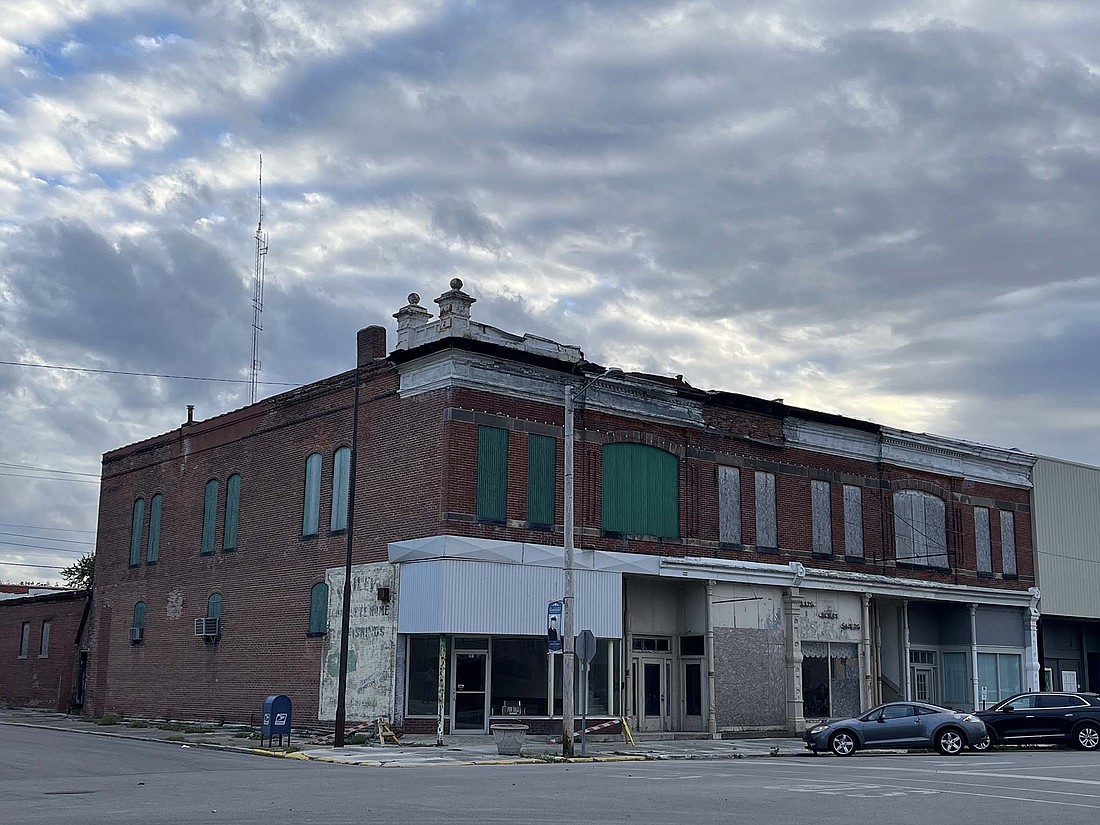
{"type": "Point", "coordinates": [213, 746]}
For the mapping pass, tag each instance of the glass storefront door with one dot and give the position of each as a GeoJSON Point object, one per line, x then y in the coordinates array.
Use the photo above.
{"type": "Point", "coordinates": [469, 712]}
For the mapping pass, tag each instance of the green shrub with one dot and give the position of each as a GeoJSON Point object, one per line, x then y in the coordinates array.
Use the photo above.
{"type": "Point", "coordinates": [108, 719]}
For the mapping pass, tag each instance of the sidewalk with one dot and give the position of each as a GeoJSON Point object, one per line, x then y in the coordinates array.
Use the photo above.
{"type": "Point", "coordinates": [414, 751]}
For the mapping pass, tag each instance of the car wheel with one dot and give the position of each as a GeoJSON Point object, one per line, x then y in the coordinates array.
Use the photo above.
{"type": "Point", "coordinates": [985, 744]}
{"type": "Point", "coordinates": [1087, 737]}
{"type": "Point", "coordinates": [842, 743]}
{"type": "Point", "coordinates": [949, 741]}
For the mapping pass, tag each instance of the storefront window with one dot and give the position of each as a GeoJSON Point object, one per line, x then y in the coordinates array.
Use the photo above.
{"type": "Point", "coordinates": [519, 677]}
{"type": "Point", "coordinates": [600, 696]}
{"type": "Point", "coordinates": [423, 668]}
{"type": "Point", "coordinates": [998, 677]}
{"type": "Point", "coordinates": [830, 679]}
{"type": "Point", "coordinates": [956, 682]}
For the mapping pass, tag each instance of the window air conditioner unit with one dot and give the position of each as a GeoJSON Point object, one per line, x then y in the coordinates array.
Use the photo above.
{"type": "Point", "coordinates": [136, 634]}
{"type": "Point", "coordinates": [207, 627]}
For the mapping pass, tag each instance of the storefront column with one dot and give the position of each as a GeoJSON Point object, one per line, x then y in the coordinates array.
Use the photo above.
{"type": "Point", "coordinates": [975, 684]}
{"type": "Point", "coordinates": [908, 681]}
{"type": "Point", "coordinates": [796, 722]}
{"type": "Point", "coordinates": [712, 710]}
{"type": "Point", "coordinates": [441, 691]}
{"type": "Point", "coordinates": [868, 698]}
{"type": "Point", "coordinates": [1031, 639]}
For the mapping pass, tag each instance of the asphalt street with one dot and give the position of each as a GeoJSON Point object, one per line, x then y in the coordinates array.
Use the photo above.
{"type": "Point", "coordinates": [49, 776]}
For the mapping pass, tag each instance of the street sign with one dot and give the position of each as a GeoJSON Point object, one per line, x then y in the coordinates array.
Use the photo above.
{"type": "Point", "coordinates": [553, 626]}
{"type": "Point", "coordinates": [585, 647]}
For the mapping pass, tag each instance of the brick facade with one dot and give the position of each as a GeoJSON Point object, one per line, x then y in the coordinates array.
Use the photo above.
{"type": "Point", "coordinates": [33, 680]}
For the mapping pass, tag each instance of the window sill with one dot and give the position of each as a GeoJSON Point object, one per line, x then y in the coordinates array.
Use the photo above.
{"type": "Point", "coordinates": [152, 563]}
{"type": "Point", "coordinates": [308, 537]}
{"type": "Point", "coordinates": [855, 559]}
{"type": "Point", "coordinates": [985, 574]}
{"type": "Point", "coordinates": [1011, 577]}
{"type": "Point", "coordinates": [229, 549]}
{"type": "Point", "coordinates": [767, 551]}
{"type": "Point", "coordinates": [822, 556]}
{"type": "Point", "coordinates": [135, 564]}
{"type": "Point", "coordinates": [614, 534]}
{"type": "Point", "coordinates": [544, 528]}
{"type": "Point", "coordinates": [343, 531]}
{"type": "Point", "coordinates": [914, 565]}
{"type": "Point", "coordinates": [312, 634]}
{"type": "Point", "coordinates": [206, 552]}
{"type": "Point", "coordinates": [497, 522]}
{"type": "Point", "coordinates": [730, 545]}
{"type": "Point", "coordinates": [47, 656]}
{"type": "Point", "coordinates": [24, 656]}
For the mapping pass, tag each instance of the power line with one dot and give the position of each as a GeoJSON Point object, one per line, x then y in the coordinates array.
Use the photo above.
{"type": "Point", "coordinates": [146, 374]}
{"type": "Point", "coordinates": [50, 478]}
{"type": "Point", "coordinates": [46, 469]}
{"type": "Point", "coordinates": [43, 547]}
{"type": "Point", "coordinates": [47, 538]}
{"type": "Point", "coordinates": [40, 527]}
{"type": "Point", "coordinates": [40, 566]}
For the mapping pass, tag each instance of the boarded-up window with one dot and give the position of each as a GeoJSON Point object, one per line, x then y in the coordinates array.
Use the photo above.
{"type": "Point", "coordinates": [981, 540]}
{"type": "Point", "coordinates": [492, 474]}
{"type": "Point", "coordinates": [853, 521]}
{"type": "Point", "coordinates": [729, 505]}
{"type": "Point", "coordinates": [311, 499]}
{"type": "Point", "coordinates": [44, 643]}
{"type": "Point", "coordinates": [209, 515]}
{"type": "Point", "coordinates": [232, 512]}
{"type": "Point", "coordinates": [766, 531]}
{"type": "Point", "coordinates": [318, 609]}
{"type": "Point", "coordinates": [920, 535]}
{"type": "Point", "coordinates": [1008, 543]}
{"type": "Point", "coordinates": [135, 531]}
{"type": "Point", "coordinates": [341, 477]}
{"type": "Point", "coordinates": [153, 553]}
{"type": "Point", "coordinates": [24, 640]}
{"type": "Point", "coordinates": [214, 606]}
{"type": "Point", "coordinates": [541, 474]}
{"type": "Point", "coordinates": [821, 517]}
{"type": "Point", "coordinates": [641, 490]}
{"type": "Point", "coordinates": [139, 615]}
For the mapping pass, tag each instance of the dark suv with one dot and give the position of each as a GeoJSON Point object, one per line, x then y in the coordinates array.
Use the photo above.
{"type": "Point", "coordinates": [1059, 718]}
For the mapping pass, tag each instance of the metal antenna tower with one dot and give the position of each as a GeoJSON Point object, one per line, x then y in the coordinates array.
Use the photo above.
{"type": "Point", "coordinates": [258, 291]}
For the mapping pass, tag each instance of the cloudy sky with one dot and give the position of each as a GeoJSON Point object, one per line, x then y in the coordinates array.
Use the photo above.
{"type": "Point", "coordinates": [884, 209]}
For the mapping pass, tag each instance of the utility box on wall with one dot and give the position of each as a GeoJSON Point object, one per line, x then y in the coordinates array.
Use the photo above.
{"type": "Point", "coordinates": [276, 719]}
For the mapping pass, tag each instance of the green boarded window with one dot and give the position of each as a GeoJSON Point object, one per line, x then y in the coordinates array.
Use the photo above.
{"type": "Point", "coordinates": [341, 473]}
{"type": "Point", "coordinates": [139, 615]}
{"type": "Point", "coordinates": [492, 474]}
{"type": "Point", "coordinates": [154, 528]}
{"type": "Point", "coordinates": [641, 490]}
{"type": "Point", "coordinates": [209, 515]}
{"type": "Point", "coordinates": [232, 512]}
{"type": "Point", "coordinates": [135, 531]}
{"type": "Point", "coordinates": [311, 505]}
{"type": "Point", "coordinates": [214, 606]}
{"type": "Point", "coordinates": [541, 469]}
{"type": "Point", "coordinates": [318, 609]}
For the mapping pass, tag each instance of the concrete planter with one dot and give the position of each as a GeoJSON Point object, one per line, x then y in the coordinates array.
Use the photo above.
{"type": "Point", "coordinates": [509, 738]}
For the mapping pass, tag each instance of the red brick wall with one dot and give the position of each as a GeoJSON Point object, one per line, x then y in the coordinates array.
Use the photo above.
{"type": "Point", "coordinates": [265, 583]}
{"type": "Point", "coordinates": [34, 681]}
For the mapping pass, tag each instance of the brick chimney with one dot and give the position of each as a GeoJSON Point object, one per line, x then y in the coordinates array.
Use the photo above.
{"type": "Point", "coordinates": [370, 344]}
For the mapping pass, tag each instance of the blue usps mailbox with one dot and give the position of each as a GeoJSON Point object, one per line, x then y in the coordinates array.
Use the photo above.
{"type": "Point", "coordinates": [276, 719]}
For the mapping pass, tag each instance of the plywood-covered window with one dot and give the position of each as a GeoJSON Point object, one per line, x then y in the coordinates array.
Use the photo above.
{"type": "Point", "coordinates": [920, 535]}
{"type": "Point", "coordinates": [541, 479]}
{"type": "Point", "coordinates": [492, 474]}
{"type": "Point", "coordinates": [767, 532]}
{"type": "Point", "coordinates": [209, 515]}
{"type": "Point", "coordinates": [729, 505]}
{"type": "Point", "coordinates": [853, 521]}
{"type": "Point", "coordinates": [341, 477]}
{"type": "Point", "coordinates": [1008, 543]}
{"type": "Point", "coordinates": [821, 516]}
{"type": "Point", "coordinates": [641, 490]}
{"type": "Point", "coordinates": [137, 519]}
{"type": "Point", "coordinates": [311, 499]}
{"type": "Point", "coordinates": [232, 512]}
{"type": "Point", "coordinates": [155, 508]}
{"type": "Point", "coordinates": [318, 609]}
{"type": "Point", "coordinates": [984, 555]}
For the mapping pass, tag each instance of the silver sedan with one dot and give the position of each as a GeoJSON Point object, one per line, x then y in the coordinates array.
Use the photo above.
{"type": "Point", "coordinates": [899, 725]}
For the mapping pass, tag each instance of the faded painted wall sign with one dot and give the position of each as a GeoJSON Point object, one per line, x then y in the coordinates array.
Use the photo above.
{"type": "Point", "coordinates": [372, 642]}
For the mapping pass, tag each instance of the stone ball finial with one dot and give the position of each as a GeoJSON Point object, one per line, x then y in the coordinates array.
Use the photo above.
{"type": "Point", "coordinates": [414, 299]}
{"type": "Point", "coordinates": [456, 283]}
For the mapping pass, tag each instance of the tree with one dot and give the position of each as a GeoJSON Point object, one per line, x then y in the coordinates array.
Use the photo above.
{"type": "Point", "coordinates": [81, 573]}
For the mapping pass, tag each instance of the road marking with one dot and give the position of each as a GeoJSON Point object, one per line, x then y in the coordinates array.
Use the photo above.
{"type": "Point", "coordinates": [989, 774]}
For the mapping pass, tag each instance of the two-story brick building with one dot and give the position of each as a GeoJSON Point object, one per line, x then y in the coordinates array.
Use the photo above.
{"type": "Point", "coordinates": [743, 563]}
